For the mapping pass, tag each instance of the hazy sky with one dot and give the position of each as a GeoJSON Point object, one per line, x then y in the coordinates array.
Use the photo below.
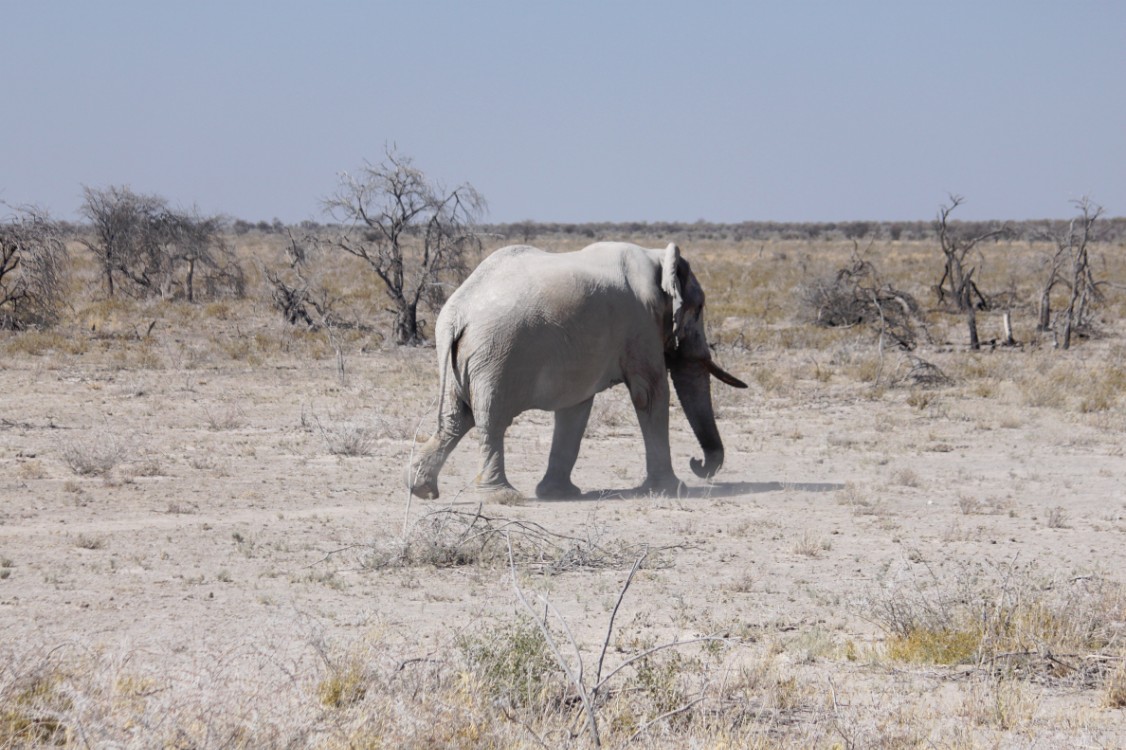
{"type": "Point", "coordinates": [576, 111]}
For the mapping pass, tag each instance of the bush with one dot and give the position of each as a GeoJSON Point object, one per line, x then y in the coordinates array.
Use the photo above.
{"type": "Point", "coordinates": [855, 295]}
{"type": "Point", "coordinates": [148, 249]}
{"type": "Point", "coordinates": [514, 665]}
{"type": "Point", "coordinates": [33, 270]}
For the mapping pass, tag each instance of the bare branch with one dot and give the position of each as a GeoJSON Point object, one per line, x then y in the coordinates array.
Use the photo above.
{"type": "Point", "coordinates": [614, 614]}
{"type": "Point", "coordinates": [576, 680]}
{"type": "Point", "coordinates": [33, 268]}
{"type": "Point", "coordinates": [411, 232]}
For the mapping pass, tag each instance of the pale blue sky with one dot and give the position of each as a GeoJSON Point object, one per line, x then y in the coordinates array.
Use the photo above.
{"type": "Point", "coordinates": [576, 111]}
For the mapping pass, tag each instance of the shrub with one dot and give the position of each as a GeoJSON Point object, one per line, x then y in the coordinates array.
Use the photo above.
{"type": "Point", "coordinates": [150, 249]}
{"type": "Point", "coordinates": [33, 270]}
{"type": "Point", "coordinates": [855, 295]}
{"type": "Point", "coordinates": [514, 665]}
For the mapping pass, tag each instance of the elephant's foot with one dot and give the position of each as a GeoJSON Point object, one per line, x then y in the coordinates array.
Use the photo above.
{"type": "Point", "coordinates": [425, 490]}
{"type": "Point", "coordinates": [549, 489]}
{"type": "Point", "coordinates": [422, 471]}
{"type": "Point", "coordinates": [421, 485]}
{"type": "Point", "coordinates": [502, 495]}
{"type": "Point", "coordinates": [668, 486]}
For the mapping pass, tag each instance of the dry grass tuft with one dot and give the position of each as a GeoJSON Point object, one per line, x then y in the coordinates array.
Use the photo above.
{"type": "Point", "coordinates": [93, 456]}
{"type": "Point", "coordinates": [514, 665]}
{"type": "Point", "coordinates": [1009, 621]}
{"type": "Point", "coordinates": [230, 417]}
{"type": "Point", "coordinates": [43, 343]}
{"type": "Point", "coordinates": [30, 709]}
{"type": "Point", "coordinates": [809, 544]}
{"type": "Point", "coordinates": [924, 646]}
{"type": "Point", "coordinates": [343, 686]}
{"type": "Point", "coordinates": [454, 538]}
{"type": "Point", "coordinates": [1114, 687]}
{"type": "Point", "coordinates": [1057, 518]}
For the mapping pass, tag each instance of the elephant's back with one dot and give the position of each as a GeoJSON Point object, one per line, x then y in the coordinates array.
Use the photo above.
{"type": "Point", "coordinates": [514, 271]}
{"type": "Point", "coordinates": [510, 256]}
{"type": "Point", "coordinates": [522, 292]}
{"type": "Point", "coordinates": [524, 286]}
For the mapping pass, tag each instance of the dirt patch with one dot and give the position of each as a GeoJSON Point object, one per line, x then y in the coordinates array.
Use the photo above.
{"type": "Point", "coordinates": [205, 543]}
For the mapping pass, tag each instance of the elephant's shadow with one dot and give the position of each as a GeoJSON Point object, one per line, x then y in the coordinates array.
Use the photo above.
{"type": "Point", "coordinates": [716, 489]}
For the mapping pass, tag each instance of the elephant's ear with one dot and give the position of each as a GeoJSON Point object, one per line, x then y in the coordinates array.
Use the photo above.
{"type": "Point", "coordinates": [670, 285]}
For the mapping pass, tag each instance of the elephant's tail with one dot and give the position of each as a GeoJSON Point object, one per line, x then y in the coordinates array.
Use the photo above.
{"type": "Point", "coordinates": [449, 341]}
{"type": "Point", "coordinates": [451, 360]}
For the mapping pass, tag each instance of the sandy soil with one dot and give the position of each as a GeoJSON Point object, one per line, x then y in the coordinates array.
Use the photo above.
{"type": "Point", "coordinates": [227, 553]}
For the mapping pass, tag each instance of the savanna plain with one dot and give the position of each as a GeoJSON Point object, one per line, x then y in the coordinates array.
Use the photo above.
{"type": "Point", "coordinates": [206, 540]}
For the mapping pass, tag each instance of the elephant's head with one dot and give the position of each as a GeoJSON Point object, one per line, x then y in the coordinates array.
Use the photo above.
{"type": "Point", "coordinates": [689, 358]}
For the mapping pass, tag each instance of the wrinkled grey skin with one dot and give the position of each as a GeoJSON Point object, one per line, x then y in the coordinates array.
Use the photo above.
{"type": "Point", "coordinates": [536, 330]}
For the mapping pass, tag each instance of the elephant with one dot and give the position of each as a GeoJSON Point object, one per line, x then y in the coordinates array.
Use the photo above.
{"type": "Point", "coordinates": [530, 329]}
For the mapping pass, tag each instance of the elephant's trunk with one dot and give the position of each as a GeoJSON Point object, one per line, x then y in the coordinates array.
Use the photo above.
{"type": "Point", "coordinates": [692, 381]}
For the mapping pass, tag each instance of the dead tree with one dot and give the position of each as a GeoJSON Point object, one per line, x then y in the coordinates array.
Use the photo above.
{"type": "Point", "coordinates": [1084, 289]}
{"type": "Point", "coordinates": [33, 270]}
{"type": "Point", "coordinates": [294, 293]}
{"type": "Point", "coordinates": [957, 282]}
{"type": "Point", "coordinates": [412, 233]}
{"type": "Point", "coordinates": [1053, 275]}
{"type": "Point", "coordinates": [304, 300]}
{"type": "Point", "coordinates": [193, 245]}
{"type": "Point", "coordinates": [970, 308]}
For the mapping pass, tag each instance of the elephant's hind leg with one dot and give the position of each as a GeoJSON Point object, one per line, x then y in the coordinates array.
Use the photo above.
{"type": "Point", "coordinates": [430, 456]}
{"type": "Point", "coordinates": [570, 424]}
{"type": "Point", "coordinates": [492, 481]}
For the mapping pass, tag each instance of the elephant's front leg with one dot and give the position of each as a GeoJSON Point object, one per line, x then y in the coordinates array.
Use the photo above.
{"type": "Point", "coordinates": [651, 403]}
{"type": "Point", "coordinates": [570, 424]}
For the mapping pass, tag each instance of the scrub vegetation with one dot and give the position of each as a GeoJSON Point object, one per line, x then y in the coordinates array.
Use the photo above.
{"type": "Point", "coordinates": [914, 542]}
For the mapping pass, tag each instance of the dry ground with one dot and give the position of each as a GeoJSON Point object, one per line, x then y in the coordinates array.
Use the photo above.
{"type": "Point", "coordinates": [205, 540]}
